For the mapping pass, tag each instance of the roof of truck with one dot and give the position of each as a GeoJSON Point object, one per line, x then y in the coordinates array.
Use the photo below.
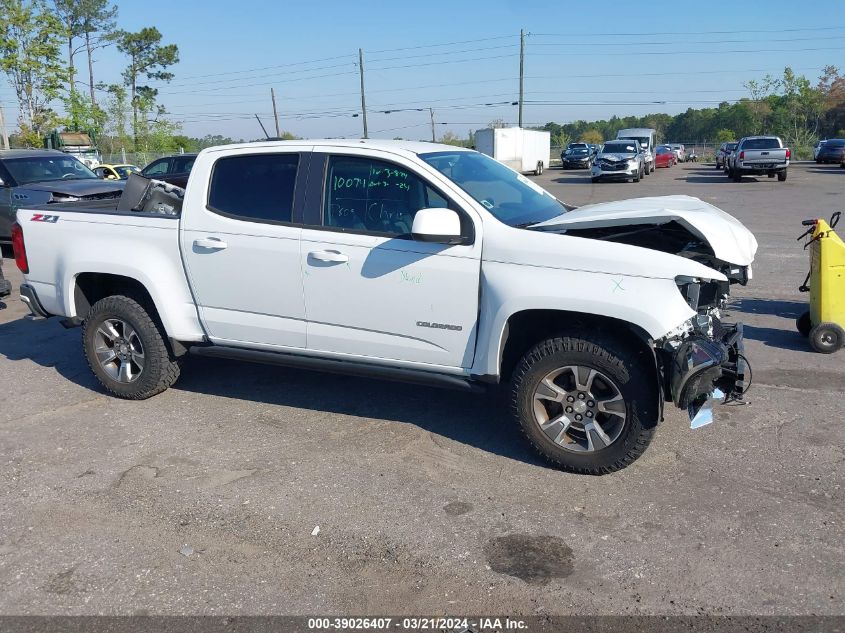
{"type": "Point", "coordinates": [411, 147]}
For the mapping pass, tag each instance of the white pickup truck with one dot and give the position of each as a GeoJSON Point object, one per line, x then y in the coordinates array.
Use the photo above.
{"type": "Point", "coordinates": [408, 261]}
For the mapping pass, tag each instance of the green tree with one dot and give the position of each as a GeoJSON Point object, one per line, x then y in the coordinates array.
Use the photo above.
{"type": "Point", "coordinates": [149, 59]}
{"type": "Point", "coordinates": [725, 136]}
{"type": "Point", "coordinates": [97, 25]}
{"type": "Point", "coordinates": [30, 56]}
{"type": "Point", "coordinates": [592, 136]}
{"type": "Point", "coordinates": [69, 15]}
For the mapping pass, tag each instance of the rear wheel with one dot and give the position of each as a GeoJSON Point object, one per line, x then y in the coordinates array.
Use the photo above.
{"type": "Point", "coordinates": [737, 175]}
{"type": "Point", "coordinates": [803, 324]}
{"type": "Point", "coordinates": [585, 408]}
{"type": "Point", "coordinates": [782, 175]}
{"type": "Point", "coordinates": [126, 349]}
{"type": "Point", "coordinates": [827, 338]}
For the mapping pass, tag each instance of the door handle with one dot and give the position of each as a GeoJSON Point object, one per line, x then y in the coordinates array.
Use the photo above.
{"type": "Point", "coordinates": [334, 257]}
{"type": "Point", "coordinates": [210, 243]}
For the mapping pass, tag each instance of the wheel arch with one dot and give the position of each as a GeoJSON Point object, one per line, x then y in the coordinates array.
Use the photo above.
{"type": "Point", "coordinates": [526, 328]}
{"type": "Point", "coordinates": [91, 287]}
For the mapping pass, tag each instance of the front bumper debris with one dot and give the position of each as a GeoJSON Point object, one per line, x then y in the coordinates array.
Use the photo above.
{"type": "Point", "coordinates": [706, 370]}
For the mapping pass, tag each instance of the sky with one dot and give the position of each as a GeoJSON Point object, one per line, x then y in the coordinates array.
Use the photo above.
{"type": "Point", "coordinates": [583, 60]}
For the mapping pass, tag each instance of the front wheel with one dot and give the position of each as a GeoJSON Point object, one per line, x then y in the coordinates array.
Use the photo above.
{"type": "Point", "coordinates": [586, 404]}
{"type": "Point", "coordinates": [126, 349]}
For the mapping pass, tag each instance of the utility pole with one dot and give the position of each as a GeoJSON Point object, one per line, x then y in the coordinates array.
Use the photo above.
{"type": "Point", "coordinates": [521, 71]}
{"type": "Point", "coordinates": [275, 114]}
{"type": "Point", "coordinates": [363, 100]}
{"type": "Point", "coordinates": [3, 129]}
{"type": "Point", "coordinates": [433, 137]}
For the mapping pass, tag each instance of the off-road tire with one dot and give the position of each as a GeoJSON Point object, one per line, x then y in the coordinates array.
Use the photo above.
{"type": "Point", "coordinates": [826, 338]}
{"type": "Point", "coordinates": [781, 175]}
{"type": "Point", "coordinates": [626, 366]}
{"type": "Point", "coordinates": [160, 370]}
{"type": "Point", "coordinates": [803, 324]}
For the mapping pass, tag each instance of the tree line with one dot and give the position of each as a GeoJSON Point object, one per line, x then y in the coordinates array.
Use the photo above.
{"type": "Point", "coordinates": [791, 106]}
{"type": "Point", "coordinates": [47, 52]}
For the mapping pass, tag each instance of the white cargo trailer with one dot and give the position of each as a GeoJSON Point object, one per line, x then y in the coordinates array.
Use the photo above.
{"type": "Point", "coordinates": [518, 148]}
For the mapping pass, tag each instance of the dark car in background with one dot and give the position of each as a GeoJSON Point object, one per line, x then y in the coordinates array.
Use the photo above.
{"type": "Point", "coordinates": [833, 151]}
{"type": "Point", "coordinates": [577, 156]}
{"type": "Point", "coordinates": [725, 150]}
{"type": "Point", "coordinates": [36, 178]}
{"type": "Point", "coordinates": [171, 169]}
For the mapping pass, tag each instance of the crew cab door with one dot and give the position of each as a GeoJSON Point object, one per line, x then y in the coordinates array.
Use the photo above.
{"type": "Point", "coordinates": [240, 243]}
{"type": "Point", "coordinates": [371, 290]}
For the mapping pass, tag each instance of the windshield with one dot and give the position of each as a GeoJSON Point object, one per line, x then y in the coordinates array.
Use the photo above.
{"type": "Point", "coordinates": [644, 140]}
{"type": "Point", "coordinates": [511, 197]}
{"type": "Point", "coordinates": [620, 148]}
{"type": "Point", "coordinates": [578, 150]}
{"type": "Point", "coordinates": [43, 168]}
{"type": "Point", "coordinates": [124, 170]}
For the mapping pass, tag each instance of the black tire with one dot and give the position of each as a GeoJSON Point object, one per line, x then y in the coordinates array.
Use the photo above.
{"type": "Point", "coordinates": [638, 176]}
{"type": "Point", "coordinates": [632, 376]}
{"type": "Point", "coordinates": [826, 338]}
{"type": "Point", "coordinates": [160, 369]}
{"type": "Point", "coordinates": [803, 324]}
{"type": "Point", "coordinates": [594, 179]}
{"type": "Point", "coordinates": [736, 175]}
{"type": "Point", "coordinates": [781, 175]}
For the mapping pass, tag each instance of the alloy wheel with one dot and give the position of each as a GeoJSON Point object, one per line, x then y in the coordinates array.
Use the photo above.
{"type": "Point", "coordinates": [119, 350]}
{"type": "Point", "coordinates": [579, 408]}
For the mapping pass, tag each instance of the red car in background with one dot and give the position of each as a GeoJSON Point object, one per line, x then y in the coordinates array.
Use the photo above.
{"type": "Point", "coordinates": [665, 157]}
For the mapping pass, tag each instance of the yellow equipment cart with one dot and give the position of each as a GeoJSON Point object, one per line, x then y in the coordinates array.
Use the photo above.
{"type": "Point", "coordinates": [823, 323]}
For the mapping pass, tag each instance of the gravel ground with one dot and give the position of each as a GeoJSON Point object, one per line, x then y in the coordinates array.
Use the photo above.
{"type": "Point", "coordinates": [207, 498]}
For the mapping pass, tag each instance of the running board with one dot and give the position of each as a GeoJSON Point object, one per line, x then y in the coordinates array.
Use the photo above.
{"type": "Point", "coordinates": [365, 370]}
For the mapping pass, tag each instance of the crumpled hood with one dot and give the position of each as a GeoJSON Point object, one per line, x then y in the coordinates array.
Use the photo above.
{"type": "Point", "coordinates": [78, 188]}
{"type": "Point", "coordinates": [730, 240]}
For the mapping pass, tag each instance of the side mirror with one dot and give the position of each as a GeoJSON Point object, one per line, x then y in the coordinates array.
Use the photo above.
{"type": "Point", "coordinates": [442, 226]}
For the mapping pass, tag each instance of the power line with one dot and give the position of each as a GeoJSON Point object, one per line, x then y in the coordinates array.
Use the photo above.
{"type": "Point", "coordinates": [795, 30]}
{"type": "Point", "coordinates": [674, 53]}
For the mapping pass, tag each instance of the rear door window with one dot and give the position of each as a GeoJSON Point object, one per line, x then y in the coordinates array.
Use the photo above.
{"type": "Point", "coordinates": [182, 164]}
{"type": "Point", "coordinates": [254, 187]}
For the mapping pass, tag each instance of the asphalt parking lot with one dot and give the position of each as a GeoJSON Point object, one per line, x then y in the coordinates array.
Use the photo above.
{"type": "Point", "coordinates": [206, 499]}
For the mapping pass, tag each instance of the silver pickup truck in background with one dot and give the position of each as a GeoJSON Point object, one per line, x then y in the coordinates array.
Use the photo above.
{"type": "Point", "coordinates": [758, 155]}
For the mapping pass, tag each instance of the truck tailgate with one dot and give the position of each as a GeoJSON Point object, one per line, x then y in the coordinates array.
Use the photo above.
{"type": "Point", "coordinates": [63, 243]}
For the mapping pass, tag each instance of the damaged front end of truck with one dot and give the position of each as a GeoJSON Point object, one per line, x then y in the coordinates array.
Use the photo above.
{"type": "Point", "coordinates": [702, 361]}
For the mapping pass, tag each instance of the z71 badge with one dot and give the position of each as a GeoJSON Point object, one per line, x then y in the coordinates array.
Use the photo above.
{"type": "Point", "coordinates": [40, 217]}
